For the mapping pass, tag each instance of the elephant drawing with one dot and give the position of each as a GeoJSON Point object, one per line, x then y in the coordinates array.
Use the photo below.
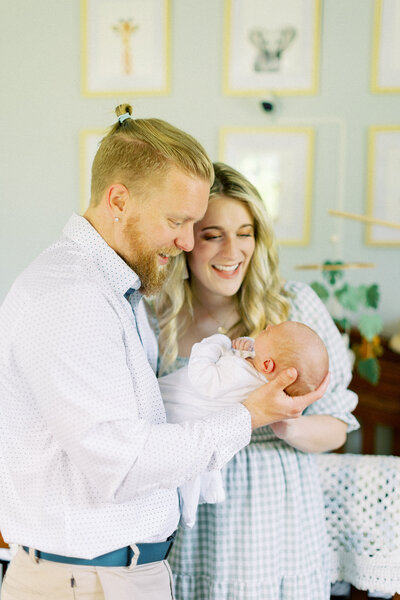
{"type": "Point", "coordinates": [270, 45]}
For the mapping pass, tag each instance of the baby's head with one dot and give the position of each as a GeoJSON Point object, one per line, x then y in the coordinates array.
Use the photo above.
{"type": "Point", "coordinates": [292, 344]}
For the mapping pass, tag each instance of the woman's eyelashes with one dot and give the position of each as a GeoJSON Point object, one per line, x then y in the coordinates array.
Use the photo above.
{"type": "Point", "coordinates": [212, 237]}
{"type": "Point", "coordinates": [219, 236]}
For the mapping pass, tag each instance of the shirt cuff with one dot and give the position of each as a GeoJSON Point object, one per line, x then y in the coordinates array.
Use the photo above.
{"type": "Point", "coordinates": [232, 428]}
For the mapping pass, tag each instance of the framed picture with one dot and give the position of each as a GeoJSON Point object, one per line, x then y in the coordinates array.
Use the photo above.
{"type": "Point", "coordinates": [278, 161]}
{"type": "Point", "coordinates": [125, 47]}
{"type": "Point", "coordinates": [386, 47]}
{"type": "Point", "coordinates": [271, 46]}
{"type": "Point", "coordinates": [383, 190]}
{"type": "Point", "coordinates": [89, 140]}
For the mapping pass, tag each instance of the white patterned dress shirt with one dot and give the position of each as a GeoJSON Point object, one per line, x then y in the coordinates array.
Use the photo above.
{"type": "Point", "coordinates": [88, 463]}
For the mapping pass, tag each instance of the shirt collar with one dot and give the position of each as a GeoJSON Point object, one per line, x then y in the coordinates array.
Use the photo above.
{"type": "Point", "coordinates": [120, 276]}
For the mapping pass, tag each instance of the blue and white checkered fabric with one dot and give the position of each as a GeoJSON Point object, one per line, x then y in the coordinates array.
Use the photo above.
{"type": "Point", "coordinates": [267, 541]}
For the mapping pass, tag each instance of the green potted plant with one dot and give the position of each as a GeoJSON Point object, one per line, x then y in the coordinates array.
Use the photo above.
{"type": "Point", "coordinates": [360, 300]}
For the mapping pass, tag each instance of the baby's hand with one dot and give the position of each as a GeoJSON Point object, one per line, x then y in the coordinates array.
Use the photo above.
{"type": "Point", "coordinates": [243, 343]}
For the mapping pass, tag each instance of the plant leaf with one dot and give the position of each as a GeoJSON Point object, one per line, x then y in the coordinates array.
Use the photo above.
{"type": "Point", "coordinates": [348, 297]}
{"type": "Point", "coordinates": [332, 276]}
{"type": "Point", "coordinates": [344, 323]}
{"type": "Point", "coordinates": [361, 293]}
{"type": "Point", "coordinates": [369, 369]}
{"type": "Point", "coordinates": [370, 326]}
{"type": "Point", "coordinates": [320, 290]}
{"type": "Point", "coordinates": [373, 296]}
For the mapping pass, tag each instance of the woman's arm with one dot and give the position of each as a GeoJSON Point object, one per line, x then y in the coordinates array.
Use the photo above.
{"type": "Point", "coordinates": [312, 433]}
{"type": "Point", "coordinates": [322, 425]}
{"type": "Point", "coordinates": [270, 404]}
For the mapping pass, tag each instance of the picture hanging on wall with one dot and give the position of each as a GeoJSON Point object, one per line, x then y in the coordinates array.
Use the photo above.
{"type": "Point", "coordinates": [386, 47]}
{"type": "Point", "coordinates": [271, 46]}
{"type": "Point", "coordinates": [89, 140]}
{"type": "Point", "coordinates": [278, 161]}
{"type": "Point", "coordinates": [383, 192]}
{"type": "Point", "coordinates": [125, 47]}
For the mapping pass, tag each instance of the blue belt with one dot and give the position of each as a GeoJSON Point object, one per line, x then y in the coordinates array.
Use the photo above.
{"type": "Point", "coordinates": [122, 557]}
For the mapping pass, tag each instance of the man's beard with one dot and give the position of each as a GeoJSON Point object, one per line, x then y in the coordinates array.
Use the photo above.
{"type": "Point", "coordinates": [144, 259]}
{"type": "Point", "coordinates": [152, 275]}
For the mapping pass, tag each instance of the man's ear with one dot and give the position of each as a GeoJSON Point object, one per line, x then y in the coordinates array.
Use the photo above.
{"type": "Point", "coordinates": [269, 365]}
{"type": "Point", "coordinates": [117, 198]}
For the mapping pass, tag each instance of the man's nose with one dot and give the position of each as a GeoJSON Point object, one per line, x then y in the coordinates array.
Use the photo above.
{"type": "Point", "coordinates": [185, 240]}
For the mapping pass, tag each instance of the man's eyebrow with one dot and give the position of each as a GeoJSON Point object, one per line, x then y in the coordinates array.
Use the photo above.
{"type": "Point", "coordinates": [183, 218]}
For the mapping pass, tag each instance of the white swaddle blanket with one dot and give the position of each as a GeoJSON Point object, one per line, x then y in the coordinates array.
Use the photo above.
{"type": "Point", "coordinates": [216, 377]}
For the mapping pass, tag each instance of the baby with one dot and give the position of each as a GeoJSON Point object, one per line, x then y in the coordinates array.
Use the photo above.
{"type": "Point", "coordinates": [221, 373]}
{"type": "Point", "coordinates": [289, 344]}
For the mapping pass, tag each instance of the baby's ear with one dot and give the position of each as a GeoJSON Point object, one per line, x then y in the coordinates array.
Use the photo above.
{"type": "Point", "coordinates": [269, 365]}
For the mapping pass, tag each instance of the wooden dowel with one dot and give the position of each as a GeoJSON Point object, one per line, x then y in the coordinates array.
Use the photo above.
{"type": "Point", "coordinates": [364, 218]}
{"type": "Point", "coordinates": [339, 267]}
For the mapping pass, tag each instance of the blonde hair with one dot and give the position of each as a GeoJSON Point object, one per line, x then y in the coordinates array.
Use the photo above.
{"type": "Point", "coordinates": [261, 298]}
{"type": "Point", "coordinates": [136, 149]}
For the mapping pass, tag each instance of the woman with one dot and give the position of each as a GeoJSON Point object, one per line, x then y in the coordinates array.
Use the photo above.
{"type": "Point", "coordinates": [267, 540]}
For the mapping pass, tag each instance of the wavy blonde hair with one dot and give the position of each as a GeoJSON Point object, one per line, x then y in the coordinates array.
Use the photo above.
{"type": "Point", "coordinates": [139, 149]}
{"type": "Point", "coordinates": [261, 298]}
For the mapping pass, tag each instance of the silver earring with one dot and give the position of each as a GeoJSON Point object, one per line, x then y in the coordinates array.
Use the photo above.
{"type": "Point", "coordinates": [116, 219]}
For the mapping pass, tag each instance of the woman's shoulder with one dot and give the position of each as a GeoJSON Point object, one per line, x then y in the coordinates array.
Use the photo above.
{"type": "Point", "coordinates": [305, 303]}
{"type": "Point", "coordinates": [294, 286]}
{"type": "Point", "coordinates": [298, 290]}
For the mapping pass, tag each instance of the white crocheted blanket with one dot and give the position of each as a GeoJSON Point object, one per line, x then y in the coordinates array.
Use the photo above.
{"type": "Point", "coordinates": [362, 504]}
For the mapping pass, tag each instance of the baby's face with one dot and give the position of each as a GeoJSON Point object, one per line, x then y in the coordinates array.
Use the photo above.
{"type": "Point", "coordinates": [265, 345]}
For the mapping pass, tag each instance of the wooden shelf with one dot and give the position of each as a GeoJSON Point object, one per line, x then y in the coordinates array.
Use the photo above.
{"type": "Point", "coordinates": [379, 404]}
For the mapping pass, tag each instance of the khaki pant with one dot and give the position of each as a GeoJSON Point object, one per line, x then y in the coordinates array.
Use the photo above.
{"type": "Point", "coordinates": [28, 578]}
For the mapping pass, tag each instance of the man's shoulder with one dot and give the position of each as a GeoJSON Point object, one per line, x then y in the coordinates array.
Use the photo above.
{"type": "Point", "coordinates": [59, 271]}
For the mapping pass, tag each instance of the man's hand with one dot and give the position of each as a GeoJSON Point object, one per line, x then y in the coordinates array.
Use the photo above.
{"type": "Point", "coordinates": [269, 403]}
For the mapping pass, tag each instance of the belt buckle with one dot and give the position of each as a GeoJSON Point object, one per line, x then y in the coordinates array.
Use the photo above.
{"type": "Point", "coordinates": [135, 556]}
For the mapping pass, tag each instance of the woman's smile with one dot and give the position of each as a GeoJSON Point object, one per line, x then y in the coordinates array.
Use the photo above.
{"type": "Point", "coordinates": [227, 271]}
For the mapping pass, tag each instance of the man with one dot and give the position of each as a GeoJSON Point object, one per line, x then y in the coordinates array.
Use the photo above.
{"type": "Point", "coordinates": [89, 467]}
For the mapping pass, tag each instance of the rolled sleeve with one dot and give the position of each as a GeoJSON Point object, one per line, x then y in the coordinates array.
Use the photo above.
{"type": "Point", "coordinates": [338, 401]}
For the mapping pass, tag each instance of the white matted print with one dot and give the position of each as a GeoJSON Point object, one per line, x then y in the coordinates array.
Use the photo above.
{"type": "Point", "coordinates": [278, 161]}
{"type": "Point", "coordinates": [384, 184]}
{"type": "Point", "coordinates": [271, 46]}
{"type": "Point", "coordinates": [386, 47]}
{"type": "Point", "coordinates": [125, 47]}
{"type": "Point", "coordinates": [89, 140]}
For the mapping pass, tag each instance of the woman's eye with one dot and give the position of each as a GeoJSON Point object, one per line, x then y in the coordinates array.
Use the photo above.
{"type": "Point", "coordinates": [212, 237]}
{"type": "Point", "coordinates": [175, 223]}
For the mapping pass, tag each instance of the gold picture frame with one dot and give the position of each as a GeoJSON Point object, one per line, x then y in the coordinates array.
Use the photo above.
{"type": "Point", "coordinates": [89, 140]}
{"type": "Point", "coordinates": [383, 185]}
{"type": "Point", "coordinates": [125, 47]}
{"type": "Point", "coordinates": [279, 162]}
{"type": "Point", "coordinates": [271, 46]}
{"type": "Point", "coordinates": [385, 75]}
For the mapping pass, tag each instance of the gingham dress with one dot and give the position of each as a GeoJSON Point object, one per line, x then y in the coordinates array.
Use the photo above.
{"type": "Point", "coordinates": [267, 541]}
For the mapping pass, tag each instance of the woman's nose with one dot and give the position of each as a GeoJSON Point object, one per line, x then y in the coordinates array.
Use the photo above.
{"type": "Point", "coordinates": [230, 248]}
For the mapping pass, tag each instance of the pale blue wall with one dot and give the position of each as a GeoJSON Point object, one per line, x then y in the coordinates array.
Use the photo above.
{"type": "Point", "coordinates": [42, 112]}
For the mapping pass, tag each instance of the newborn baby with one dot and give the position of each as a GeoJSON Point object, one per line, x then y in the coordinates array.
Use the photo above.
{"type": "Point", "coordinates": [221, 372]}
